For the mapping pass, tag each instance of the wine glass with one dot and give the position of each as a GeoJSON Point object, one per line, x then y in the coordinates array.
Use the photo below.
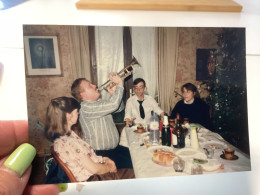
{"type": "Point", "coordinates": [178, 164]}
{"type": "Point", "coordinates": [196, 169]}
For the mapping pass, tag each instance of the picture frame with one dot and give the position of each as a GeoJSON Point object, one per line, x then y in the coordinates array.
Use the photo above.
{"type": "Point", "coordinates": [205, 64]}
{"type": "Point", "coordinates": [42, 56]}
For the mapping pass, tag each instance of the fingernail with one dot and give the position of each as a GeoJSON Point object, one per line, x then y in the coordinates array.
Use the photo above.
{"type": "Point", "coordinates": [21, 158]}
{"type": "Point", "coordinates": [63, 187]}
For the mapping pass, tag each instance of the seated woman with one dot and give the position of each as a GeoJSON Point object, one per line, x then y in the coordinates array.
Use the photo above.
{"type": "Point", "coordinates": [192, 107]}
{"type": "Point", "coordinates": [62, 115]}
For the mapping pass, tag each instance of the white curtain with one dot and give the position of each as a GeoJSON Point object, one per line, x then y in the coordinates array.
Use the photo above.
{"type": "Point", "coordinates": [144, 50]}
{"type": "Point", "coordinates": [79, 47]}
{"type": "Point", "coordinates": [167, 57]}
{"type": "Point", "coordinates": [109, 53]}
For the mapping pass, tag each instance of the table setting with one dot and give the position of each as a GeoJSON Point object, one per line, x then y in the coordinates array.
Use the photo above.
{"type": "Point", "coordinates": [211, 156]}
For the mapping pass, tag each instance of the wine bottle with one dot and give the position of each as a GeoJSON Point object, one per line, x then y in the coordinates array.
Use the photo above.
{"type": "Point", "coordinates": [180, 134]}
{"type": "Point", "coordinates": [173, 135]}
{"type": "Point", "coordinates": [166, 132]}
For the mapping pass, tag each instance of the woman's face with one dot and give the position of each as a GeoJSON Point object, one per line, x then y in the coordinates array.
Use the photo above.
{"type": "Point", "coordinates": [73, 117]}
{"type": "Point", "coordinates": [188, 95]}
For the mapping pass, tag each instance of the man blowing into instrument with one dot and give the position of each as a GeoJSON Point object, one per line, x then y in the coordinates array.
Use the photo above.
{"type": "Point", "coordinates": [96, 120]}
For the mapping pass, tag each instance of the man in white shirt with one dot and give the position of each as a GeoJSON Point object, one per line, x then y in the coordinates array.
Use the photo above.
{"type": "Point", "coordinates": [138, 108]}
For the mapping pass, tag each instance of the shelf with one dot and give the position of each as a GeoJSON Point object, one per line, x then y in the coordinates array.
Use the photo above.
{"type": "Point", "coordinates": [174, 5]}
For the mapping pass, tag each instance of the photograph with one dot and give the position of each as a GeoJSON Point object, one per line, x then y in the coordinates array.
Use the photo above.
{"type": "Point", "coordinates": [136, 102]}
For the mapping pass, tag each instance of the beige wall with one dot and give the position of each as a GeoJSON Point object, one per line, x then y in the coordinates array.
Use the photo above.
{"type": "Point", "coordinates": [40, 90]}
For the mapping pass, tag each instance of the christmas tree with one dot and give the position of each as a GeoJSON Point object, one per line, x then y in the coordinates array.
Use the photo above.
{"type": "Point", "coordinates": [227, 91]}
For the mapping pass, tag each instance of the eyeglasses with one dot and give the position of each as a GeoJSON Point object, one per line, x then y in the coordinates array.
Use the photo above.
{"type": "Point", "coordinates": [141, 87]}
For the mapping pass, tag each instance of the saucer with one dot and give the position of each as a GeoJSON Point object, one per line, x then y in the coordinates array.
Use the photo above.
{"type": "Point", "coordinates": [234, 158]}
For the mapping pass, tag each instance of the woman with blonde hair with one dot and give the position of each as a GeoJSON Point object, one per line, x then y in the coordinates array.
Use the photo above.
{"type": "Point", "coordinates": [62, 117]}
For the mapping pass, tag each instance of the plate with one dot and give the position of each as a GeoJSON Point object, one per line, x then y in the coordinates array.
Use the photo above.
{"type": "Point", "coordinates": [191, 153]}
{"type": "Point", "coordinates": [139, 132]}
{"type": "Point", "coordinates": [212, 165]}
{"type": "Point", "coordinates": [234, 158]}
{"type": "Point", "coordinates": [162, 164]}
{"type": "Point", "coordinates": [214, 145]}
{"type": "Point", "coordinates": [201, 140]}
{"type": "Point", "coordinates": [166, 148]}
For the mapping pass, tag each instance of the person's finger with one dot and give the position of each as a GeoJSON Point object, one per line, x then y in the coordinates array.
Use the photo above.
{"type": "Point", "coordinates": [11, 184]}
{"type": "Point", "coordinates": [15, 170]}
{"type": "Point", "coordinates": [50, 189]}
{"type": "Point", "coordinates": [12, 134]}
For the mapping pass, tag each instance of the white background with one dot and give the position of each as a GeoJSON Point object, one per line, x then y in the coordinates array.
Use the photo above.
{"type": "Point", "coordinates": [64, 12]}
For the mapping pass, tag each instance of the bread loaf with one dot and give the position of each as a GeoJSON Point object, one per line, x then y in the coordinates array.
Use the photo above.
{"type": "Point", "coordinates": [163, 157]}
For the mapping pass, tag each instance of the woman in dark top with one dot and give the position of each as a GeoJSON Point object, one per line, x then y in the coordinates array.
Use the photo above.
{"type": "Point", "coordinates": [192, 107]}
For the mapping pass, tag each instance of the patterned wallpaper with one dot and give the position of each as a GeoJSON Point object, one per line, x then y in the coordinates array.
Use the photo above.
{"type": "Point", "coordinates": [40, 90]}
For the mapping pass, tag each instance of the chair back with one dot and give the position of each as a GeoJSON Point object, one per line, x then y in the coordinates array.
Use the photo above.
{"type": "Point", "coordinates": [63, 166]}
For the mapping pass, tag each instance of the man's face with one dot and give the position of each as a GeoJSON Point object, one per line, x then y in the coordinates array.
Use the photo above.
{"type": "Point", "coordinates": [139, 89]}
{"type": "Point", "coordinates": [89, 91]}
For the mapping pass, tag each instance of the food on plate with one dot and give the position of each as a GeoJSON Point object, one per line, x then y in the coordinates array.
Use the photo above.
{"type": "Point", "coordinates": [163, 157]}
{"type": "Point", "coordinates": [213, 146]}
{"type": "Point", "coordinates": [200, 161]}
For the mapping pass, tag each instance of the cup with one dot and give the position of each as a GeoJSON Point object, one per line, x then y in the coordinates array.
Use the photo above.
{"type": "Point", "coordinates": [228, 153]}
{"type": "Point", "coordinates": [178, 164]}
{"type": "Point", "coordinates": [185, 121]}
{"type": "Point", "coordinates": [196, 169]}
{"type": "Point", "coordinates": [209, 152]}
{"type": "Point", "coordinates": [140, 128]}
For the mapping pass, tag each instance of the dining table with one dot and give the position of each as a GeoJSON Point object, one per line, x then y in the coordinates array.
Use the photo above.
{"type": "Point", "coordinates": [144, 167]}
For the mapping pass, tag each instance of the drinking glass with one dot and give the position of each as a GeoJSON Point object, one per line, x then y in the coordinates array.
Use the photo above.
{"type": "Point", "coordinates": [210, 153]}
{"type": "Point", "coordinates": [196, 169]}
{"type": "Point", "coordinates": [178, 164]}
{"type": "Point", "coordinates": [146, 141]}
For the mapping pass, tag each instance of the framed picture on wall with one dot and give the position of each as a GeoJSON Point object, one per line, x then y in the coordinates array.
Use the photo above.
{"type": "Point", "coordinates": [42, 55]}
{"type": "Point", "coordinates": [205, 64]}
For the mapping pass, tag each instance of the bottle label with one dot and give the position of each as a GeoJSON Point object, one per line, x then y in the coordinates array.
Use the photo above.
{"type": "Point", "coordinates": [154, 125]}
{"type": "Point", "coordinates": [174, 140]}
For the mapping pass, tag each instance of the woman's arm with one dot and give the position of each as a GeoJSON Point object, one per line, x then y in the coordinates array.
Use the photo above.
{"type": "Point", "coordinates": [99, 168]}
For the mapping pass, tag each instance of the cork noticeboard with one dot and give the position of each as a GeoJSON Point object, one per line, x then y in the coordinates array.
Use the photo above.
{"type": "Point", "coordinates": [173, 5]}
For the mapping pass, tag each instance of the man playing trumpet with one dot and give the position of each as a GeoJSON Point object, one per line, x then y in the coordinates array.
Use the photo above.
{"type": "Point", "coordinates": [96, 120]}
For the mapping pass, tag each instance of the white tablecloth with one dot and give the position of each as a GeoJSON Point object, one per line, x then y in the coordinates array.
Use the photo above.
{"type": "Point", "coordinates": [144, 167]}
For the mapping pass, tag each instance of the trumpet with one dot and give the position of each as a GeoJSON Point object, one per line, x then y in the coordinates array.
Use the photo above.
{"type": "Point", "coordinates": [127, 71]}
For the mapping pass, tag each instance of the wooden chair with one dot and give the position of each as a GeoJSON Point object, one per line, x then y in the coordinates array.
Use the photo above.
{"type": "Point", "coordinates": [63, 166]}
